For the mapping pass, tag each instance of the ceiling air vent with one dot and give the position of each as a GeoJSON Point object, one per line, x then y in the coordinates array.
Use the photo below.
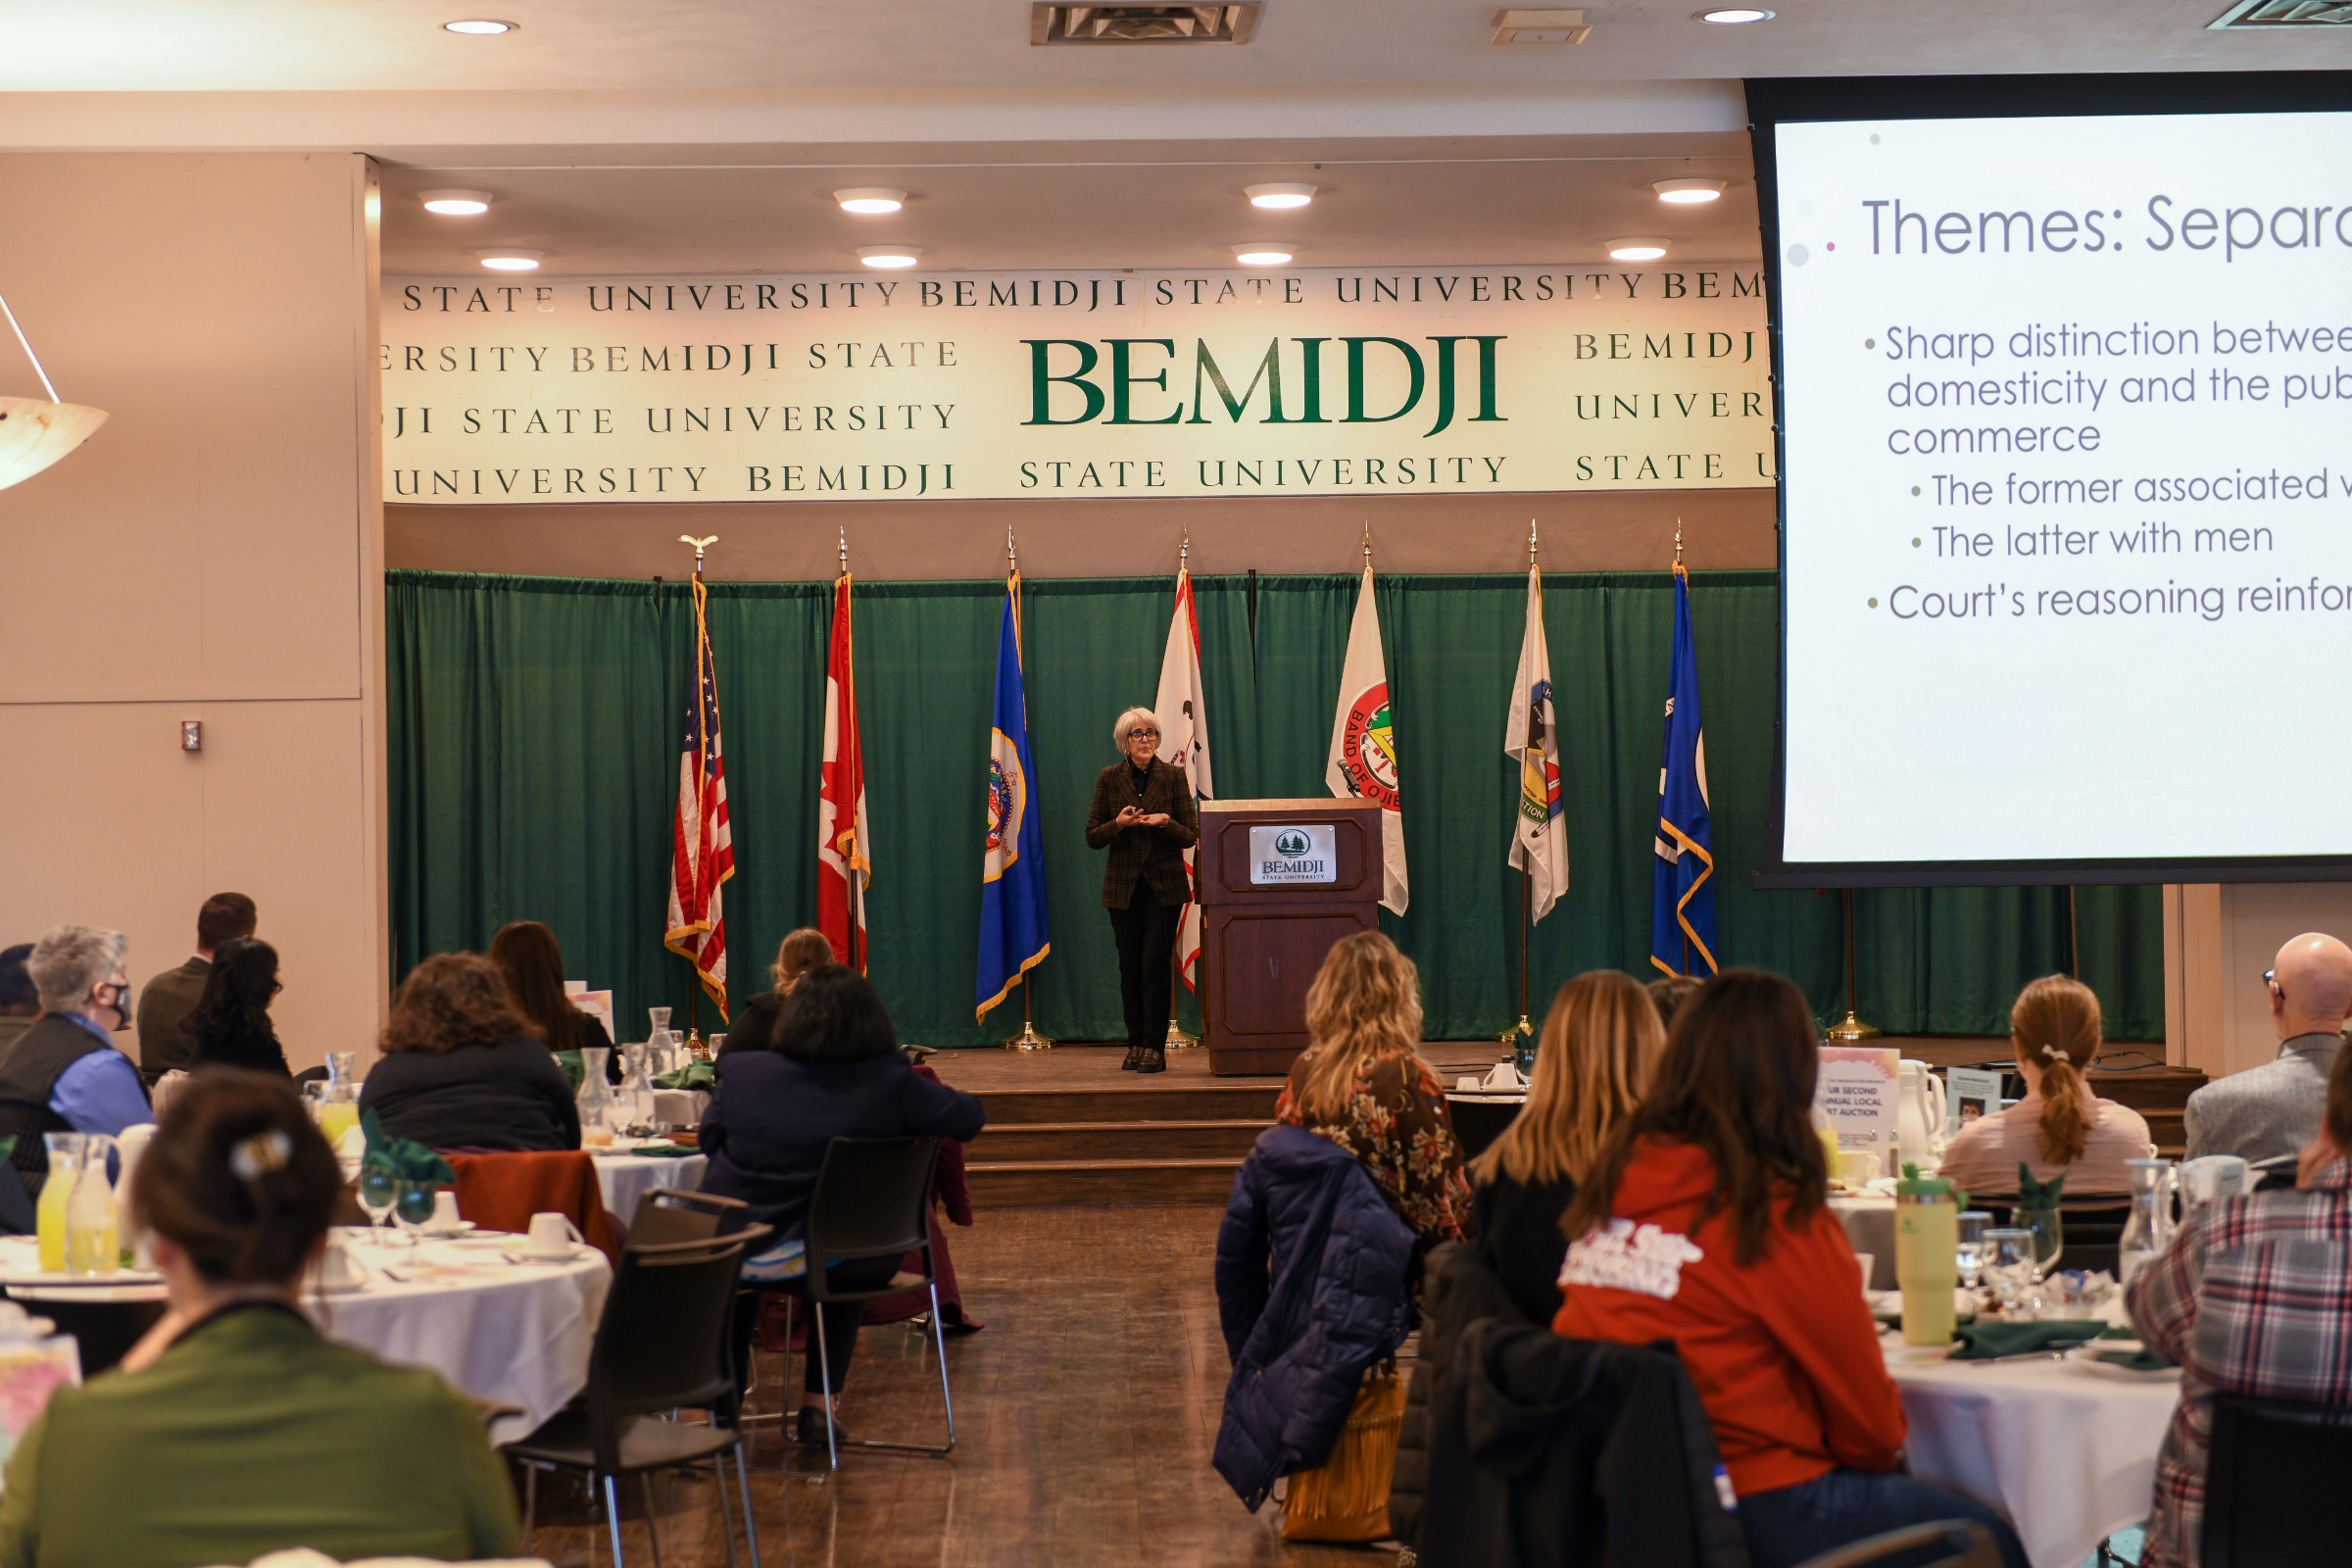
{"type": "Point", "coordinates": [1195, 23]}
{"type": "Point", "coordinates": [2258, 16]}
{"type": "Point", "coordinates": [1544, 26]}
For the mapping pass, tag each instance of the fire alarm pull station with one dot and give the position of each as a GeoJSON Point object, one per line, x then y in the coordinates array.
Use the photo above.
{"type": "Point", "coordinates": [191, 734]}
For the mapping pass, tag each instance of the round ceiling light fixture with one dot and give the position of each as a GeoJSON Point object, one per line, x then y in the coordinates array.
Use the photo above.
{"type": "Point", "coordinates": [1279, 198]}
{"type": "Point", "coordinates": [870, 199]}
{"type": "Point", "coordinates": [512, 260]}
{"type": "Point", "coordinates": [891, 257]}
{"type": "Point", "coordinates": [1732, 17]}
{"type": "Point", "coordinates": [480, 27]}
{"type": "Point", "coordinates": [1637, 250]}
{"type": "Point", "coordinates": [1262, 253]}
{"type": "Point", "coordinates": [457, 203]}
{"type": "Point", "coordinates": [1688, 192]}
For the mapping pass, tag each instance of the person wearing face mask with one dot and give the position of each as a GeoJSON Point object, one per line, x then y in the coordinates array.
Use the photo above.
{"type": "Point", "coordinates": [64, 1075]}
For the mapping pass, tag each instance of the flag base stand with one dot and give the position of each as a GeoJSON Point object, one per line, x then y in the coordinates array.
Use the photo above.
{"type": "Point", "coordinates": [1851, 1028]}
{"type": "Point", "coordinates": [1028, 1038]}
{"type": "Point", "coordinates": [1178, 1038]}
{"type": "Point", "coordinates": [1509, 1039]}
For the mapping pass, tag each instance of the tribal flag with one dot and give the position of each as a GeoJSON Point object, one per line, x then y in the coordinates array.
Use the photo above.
{"type": "Point", "coordinates": [1012, 866]}
{"type": "Point", "coordinates": [1682, 915]}
{"type": "Point", "coordinates": [702, 851]}
{"type": "Point", "coordinates": [1363, 743]}
{"type": "Point", "coordinates": [1183, 717]}
{"type": "Point", "coordinates": [844, 842]}
{"type": "Point", "coordinates": [1531, 738]}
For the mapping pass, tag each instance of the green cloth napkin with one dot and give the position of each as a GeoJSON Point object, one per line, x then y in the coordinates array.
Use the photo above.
{"type": "Point", "coordinates": [574, 1072]}
{"type": "Point", "coordinates": [405, 1158]}
{"type": "Point", "coordinates": [664, 1150]}
{"type": "Point", "coordinates": [2140, 1360]}
{"type": "Point", "coordinates": [694, 1075]}
{"type": "Point", "coordinates": [1989, 1342]}
{"type": "Point", "coordinates": [2032, 1194]}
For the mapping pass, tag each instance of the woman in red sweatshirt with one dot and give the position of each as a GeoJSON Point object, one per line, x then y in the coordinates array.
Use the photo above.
{"type": "Point", "coordinates": [1705, 1222]}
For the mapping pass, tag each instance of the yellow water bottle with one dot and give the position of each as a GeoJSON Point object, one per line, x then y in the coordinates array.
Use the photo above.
{"type": "Point", "coordinates": [1926, 1256]}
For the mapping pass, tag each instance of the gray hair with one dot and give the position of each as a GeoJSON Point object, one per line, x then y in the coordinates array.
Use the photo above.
{"type": "Point", "coordinates": [70, 959]}
{"type": "Point", "coordinates": [1126, 722]}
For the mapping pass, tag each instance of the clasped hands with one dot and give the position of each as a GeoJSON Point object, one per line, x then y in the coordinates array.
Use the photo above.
{"type": "Point", "coordinates": [1134, 816]}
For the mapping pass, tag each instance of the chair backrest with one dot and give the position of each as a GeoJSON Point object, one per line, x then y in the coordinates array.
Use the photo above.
{"type": "Point", "coordinates": [872, 1200]}
{"type": "Point", "coordinates": [1477, 1123]}
{"type": "Point", "coordinates": [1964, 1543]}
{"type": "Point", "coordinates": [663, 1342]}
{"type": "Point", "coordinates": [2271, 1469]}
{"type": "Point", "coordinates": [501, 1192]}
{"type": "Point", "coordinates": [672, 1215]}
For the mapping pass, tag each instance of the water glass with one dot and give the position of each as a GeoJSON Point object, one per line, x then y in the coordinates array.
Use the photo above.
{"type": "Point", "coordinates": [413, 1208]}
{"type": "Point", "coordinates": [2049, 1237]}
{"type": "Point", "coordinates": [2011, 1269]}
{"type": "Point", "coordinates": [1975, 1253]}
{"type": "Point", "coordinates": [379, 1191]}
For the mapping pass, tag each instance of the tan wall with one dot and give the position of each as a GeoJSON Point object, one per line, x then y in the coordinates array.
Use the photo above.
{"type": "Point", "coordinates": [2218, 941]}
{"type": "Point", "coordinates": [214, 553]}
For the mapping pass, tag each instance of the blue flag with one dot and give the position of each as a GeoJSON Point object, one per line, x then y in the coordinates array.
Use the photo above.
{"type": "Point", "coordinates": [1682, 912]}
{"type": "Point", "coordinates": [1013, 886]}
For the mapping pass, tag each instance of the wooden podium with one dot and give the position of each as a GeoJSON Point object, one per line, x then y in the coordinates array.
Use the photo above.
{"type": "Point", "coordinates": [1280, 881]}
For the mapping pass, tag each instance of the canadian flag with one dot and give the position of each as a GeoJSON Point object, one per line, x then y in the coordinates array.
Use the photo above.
{"type": "Point", "coordinates": [1183, 717]}
{"type": "Point", "coordinates": [843, 844]}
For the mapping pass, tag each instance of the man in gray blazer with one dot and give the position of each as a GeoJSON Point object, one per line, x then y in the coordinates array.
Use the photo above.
{"type": "Point", "coordinates": [2275, 1108]}
{"type": "Point", "coordinates": [169, 996]}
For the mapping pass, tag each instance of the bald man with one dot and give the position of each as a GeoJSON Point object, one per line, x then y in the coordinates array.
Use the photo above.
{"type": "Point", "coordinates": [2275, 1108]}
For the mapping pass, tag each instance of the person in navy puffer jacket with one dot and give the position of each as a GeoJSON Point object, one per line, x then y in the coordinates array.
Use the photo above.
{"type": "Point", "coordinates": [1312, 1270]}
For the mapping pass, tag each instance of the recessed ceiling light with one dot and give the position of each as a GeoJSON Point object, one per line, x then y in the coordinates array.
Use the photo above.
{"type": "Point", "coordinates": [1279, 198]}
{"type": "Point", "coordinates": [480, 27]}
{"type": "Point", "coordinates": [455, 203]}
{"type": "Point", "coordinates": [512, 260]}
{"type": "Point", "coordinates": [894, 257]}
{"type": "Point", "coordinates": [1734, 17]}
{"type": "Point", "coordinates": [870, 199]}
{"type": "Point", "coordinates": [1636, 250]}
{"type": "Point", "coordinates": [1688, 192]}
{"type": "Point", "coordinates": [1262, 253]}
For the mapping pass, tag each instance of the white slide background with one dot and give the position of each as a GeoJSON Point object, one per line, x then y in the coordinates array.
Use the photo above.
{"type": "Point", "coordinates": [1973, 672]}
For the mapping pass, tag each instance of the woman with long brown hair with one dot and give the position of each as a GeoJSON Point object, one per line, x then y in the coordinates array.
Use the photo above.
{"type": "Point", "coordinates": [2060, 1127]}
{"type": "Point", "coordinates": [1704, 1221]}
{"type": "Point", "coordinates": [1600, 1041]}
{"type": "Point", "coordinates": [1362, 1083]}
{"type": "Point", "coordinates": [532, 961]}
{"type": "Point", "coordinates": [462, 1067]}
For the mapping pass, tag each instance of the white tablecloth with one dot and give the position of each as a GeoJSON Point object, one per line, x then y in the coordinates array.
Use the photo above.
{"type": "Point", "coordinates": [680, 1107]}
{"type": "Point", "coordinates": [627, 1178]}
{"type": "Point", "coordinates": [2068, 1453]}
{"type": "Point", "coordinates": [1870, 1228]}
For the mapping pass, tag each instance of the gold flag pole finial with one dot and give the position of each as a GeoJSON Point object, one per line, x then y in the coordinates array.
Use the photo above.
{"type": "Point", "coordinates": [1184, 547]}
{"type": "Point", "coordinates": [1531, 541]}
{"type": "Point", "coordinates": [1012, 562]}
{"type": "Point", "coordinates": [1367, 545]}
{"type": "Point", "coordinates": [845, 550]}
{"type": "Point", "coordinates": [1678, 544]}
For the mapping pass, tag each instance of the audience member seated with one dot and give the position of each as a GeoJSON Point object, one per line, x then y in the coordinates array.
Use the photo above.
{"type": "Point", "coordinates": [532, 965]}
{"type": "Point", "coordinates": [2060, 1127]}
{"type": "Point", "coordinates": [2272, 1110]}
{"type": "Point", "coordinates": [1598, 1046]}
{"type": "Point", "coordinates": [169, 996]}
{"type": "Point", "coordinates": [19, 1003]}
{"type": "Point", "coordinates": [462, 1069]}
{"type": "Point", "coordinates": [234, 1430]}
{"type": "Point", "coordinates": [831, 1068]}
{"type": "Point", "coordinates": [799, 952]}
{"type": "Point", "coordinates": [64, 1075]}
{"type": "Point", "coordinates": [230, 1027]}
{"type": "Point", "coordinates": [2253, 1297]}
{"type": "Point", "coordinates": [1362, 1083]}
{"type": "Point", "coordinates": [1705, 1221]}
{"type": "Point", "coordinates": [1668, 993]}
{"type": "Point", "coordinates": [754, 1027]}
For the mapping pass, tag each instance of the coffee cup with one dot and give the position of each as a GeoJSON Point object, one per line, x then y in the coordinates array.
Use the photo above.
{"type": "Point", "coordinates": [551, 1237]}
{"type": "Point", "coordinates": [2212, 1176]}
{"type": "Point", "coordinates": [446, 1221]}
{"type": "Point", "coordinates": [1859, 1166]}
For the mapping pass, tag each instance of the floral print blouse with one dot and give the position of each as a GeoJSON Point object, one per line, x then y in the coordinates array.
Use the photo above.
{"type": "Point", "coordinates": [1397, 1123]}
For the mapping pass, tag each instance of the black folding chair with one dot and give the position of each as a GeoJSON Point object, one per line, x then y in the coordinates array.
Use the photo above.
{"type": "Point", "coordinates": [660, 1346]}
{"type": "Point", "coordinates": [1963, 1543]}
{"type": "Point", "coordinates": [872, 1200]}
{"type": "Point", "coordinates": [105, 1321]}
{"type": "Point", "coordinates": [2270, 1472]}
{"type": "Point", "coordinates": [1477, 1123]}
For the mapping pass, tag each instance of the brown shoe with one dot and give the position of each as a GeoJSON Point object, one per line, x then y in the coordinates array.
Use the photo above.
{"type": "Point", "coordinates": [1155, 1059]}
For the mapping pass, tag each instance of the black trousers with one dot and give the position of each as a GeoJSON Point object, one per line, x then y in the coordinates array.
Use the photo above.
{"type": "Point", "coordinates": [841, 1319]}
{"type": "Point", "coordinates": [1146, 933]}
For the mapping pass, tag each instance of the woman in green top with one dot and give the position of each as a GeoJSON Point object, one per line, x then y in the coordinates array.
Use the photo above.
{"type": "Point", "coordinates": [234, 1430]}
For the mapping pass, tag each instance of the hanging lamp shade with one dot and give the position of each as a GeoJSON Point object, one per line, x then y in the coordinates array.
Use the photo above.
{"type": "Point", "coordinates": [34, 433]}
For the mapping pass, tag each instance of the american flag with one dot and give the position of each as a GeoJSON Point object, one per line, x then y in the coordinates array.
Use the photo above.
{"type": "Point", "coordinates": [702, 851]}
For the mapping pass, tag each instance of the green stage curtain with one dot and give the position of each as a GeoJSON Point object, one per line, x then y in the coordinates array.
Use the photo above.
{"type": "Point", "coordinates": [536, 726]}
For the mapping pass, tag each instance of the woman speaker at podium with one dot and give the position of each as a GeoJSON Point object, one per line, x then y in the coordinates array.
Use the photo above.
{"type": "Point", "coordinates": [1143, 814]}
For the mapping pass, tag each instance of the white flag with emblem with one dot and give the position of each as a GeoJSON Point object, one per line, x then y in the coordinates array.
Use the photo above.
{"type": "Point", "coordinates": [1363, 742]}
{"type": "Point", "coordinates": [1531, 738]}
{"type": "Point", "coordinates": [1183, 717]}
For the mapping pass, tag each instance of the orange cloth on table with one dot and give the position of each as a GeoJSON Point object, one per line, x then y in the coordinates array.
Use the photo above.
{"type": "Point", "coordinates": [501, 1191]}
{"type": "Point", "coordinates": [1782, 1352]}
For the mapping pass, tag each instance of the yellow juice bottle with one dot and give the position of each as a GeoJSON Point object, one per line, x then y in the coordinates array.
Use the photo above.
{"type": "Point", "coordinates": [55, 1195]}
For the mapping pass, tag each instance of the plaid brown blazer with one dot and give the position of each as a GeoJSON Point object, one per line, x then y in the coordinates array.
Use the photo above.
{"type": "Point", "coordinates": [1138, 853]}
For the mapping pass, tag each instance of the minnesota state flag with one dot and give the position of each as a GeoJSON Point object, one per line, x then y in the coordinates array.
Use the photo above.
{"type": "Point", "coordinates": [1681, 905]}
{"type": "Point", "coordinates": [1012, 869]}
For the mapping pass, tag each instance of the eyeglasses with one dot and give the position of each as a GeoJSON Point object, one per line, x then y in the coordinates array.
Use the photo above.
{"type": "Point", "coordinates": [2270, 982]}
{"type": "Point", "coordinates": [1143, 734]}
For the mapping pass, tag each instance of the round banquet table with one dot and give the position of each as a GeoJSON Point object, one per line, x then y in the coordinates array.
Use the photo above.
{"type": "Point", "coordinates": [1869, 1222]}
{"type": "Point", "coordinates": [626, 1177]}
{"type": "Point", "coordinates": [497, 1328]}
{"type": "Point", "coordinates": [2066, 1449]}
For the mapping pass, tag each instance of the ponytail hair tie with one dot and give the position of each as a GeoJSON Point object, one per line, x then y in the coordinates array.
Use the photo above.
{"type": "Point", "coordinates": [257, 1156]}
{"type": "Point", "coordinates": [2048, 1053]}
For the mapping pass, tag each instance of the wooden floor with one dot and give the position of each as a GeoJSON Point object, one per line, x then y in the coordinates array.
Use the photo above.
{"type": "Point", "coordinates": [1086, 1411]}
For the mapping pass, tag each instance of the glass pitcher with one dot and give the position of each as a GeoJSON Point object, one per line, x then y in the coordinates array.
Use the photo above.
{"type": "Point", "coordinates": [56, 1190]}
{"type": "Point", "coordinates": [636, 1091]}
{"type": "Point", "coordinates": [598, 1111]}
{"type": "Point", "coordinates": [339, 1103]}
{"type": "Point", "coordinates": [658, 1041]}
{"type": "Point", "coordinates": [91, 1244]}
{"type": "Point", "coordinates": [2149, 1228]}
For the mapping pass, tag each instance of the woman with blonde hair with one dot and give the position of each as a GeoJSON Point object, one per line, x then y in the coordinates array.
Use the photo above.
{"type": "Point", "coordinates": [1145, 814]}
{"type": "Point", "coordinates": [2060, 1127]}
{"type": "Point", "coordinates": [1362, 1083]}
{"type": "Point", "coordinates": [799, 952]}
{"type": "Point", "coordinates": [1593, 1063]}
